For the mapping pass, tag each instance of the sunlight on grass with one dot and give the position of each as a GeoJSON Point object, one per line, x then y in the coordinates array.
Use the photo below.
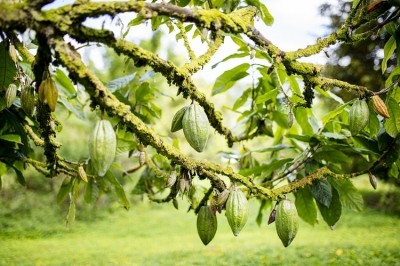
{"type": "Point", "coordinates": [158, 235]}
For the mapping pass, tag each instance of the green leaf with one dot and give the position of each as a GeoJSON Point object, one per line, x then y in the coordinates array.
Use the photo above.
{"type": "Point", "coordinates": [328, 117]}
{"type": "Point", "coordinates": [305, 205]}
{"type": "Point", "coordinates": [264, 14]}
{"type": "Point", "coordinates": [263, 205]}
{"type": "Point", "coordinates": [330, 155]}
{"type": "Point", "coordinates": [322, 192]}
{"type": "Point", "coordinates": [120, 83]}
{"type": "Point", "coordinates": [11, 138]}
{"type": "Point", "coordinates": [78, 111]}
{"type": "Point", "coordinates": [242, 99]}
{"type": "Point", "coordinates": [350, 197]}
{"type": "Point", "coordinates": [301, 115]}
{"type": "Point", "coordinates": [20, 176]}
{"type": "Point", "coordinates": [8, 69]}
{"type": "Point", "coordinates": [331, 135]}
{"type": "Point", "coordinates": [119, 190]}
{"type": "Point", "coordinates": [373, 122]}
{"type": "Point", "coordinates": [388, 51]}
{"type": "Point", "coordinates": [266, 169]}
{"type": "Point", "coordinates": [64, 81]}
{"type": "Point", "coordinates": [393, 75]}
{"type": "Point", "coordinates": [65, 188]}
{"type": "Point", "coordinates": [91, 191]}
{"type": "Point", "coordinates": [332, 214]}
{"type": "Point", "coordinates": [355, 3]}
{"type": "Point", "coordinates": [329, 94]}
{"type": "Point", "coordinates": [294, 85]}
{"type": "Point", "coordinates": [73, 197]}
{"type": "Point", "coordinates": [136, 21]}
{"type": "Point", "coordinates": [227, 79]}
{"type": "Point", "coordinates": [232, 56]}
{"type": "Point", "coordinates": [272, 94]}
{"type": "Point", "coordinates": [71, 212]}
{"type": "Point", "coordinates": [144, 93]}
{"type": "Point", "coordinates": [392, 124]}
{"type": "Point", "coordinates": [281, 119]}
{"type": "Point", "coordinates": [3, 168]}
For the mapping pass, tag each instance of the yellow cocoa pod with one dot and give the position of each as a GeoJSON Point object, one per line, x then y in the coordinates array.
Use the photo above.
{"type": "Point", "coordinates": [102, 146]}
{"type": "Point", "coordinates": [11, 94]}
{"type": "Point", "coordinates": [82, 173]}
{"type": "Point", "coordinates": [237, 210]}
{"type": "Point", "coordinates": [379, 106]}
{"type": "Point", "coordinates": [196, 127]}
{"type": "Point", "coordinates": [48, 93]}
{"type": "Point", "coordinates": [286, 221]}
{"type": "Point", "coordinates": [206, 224]}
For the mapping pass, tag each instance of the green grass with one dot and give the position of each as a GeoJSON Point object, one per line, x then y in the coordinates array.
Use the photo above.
{"type": "Point", "coordinates": [160, 235]}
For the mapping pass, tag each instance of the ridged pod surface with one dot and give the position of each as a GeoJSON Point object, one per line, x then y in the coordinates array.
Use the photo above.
{"type": "Point", "coordinates": [28, 99]}
{"type": "Point", "coordinates": [237, 210]}
{"type": "Point", "coordinates": [206, 224]}
{"type": "Point", "coordinates": [196, 127]}
{"type": "Point", "coordinates": [358, 116]}
{"type": "Point", "coordinates": [102, 146]}
{"type": "Point", "coordinates": [48, 93]}
{"type": "Point", "coordinates": [11, 94]}
{"type": "Point", "coordinates": [286, 221]}
{"type": "Point", "coordinates": [380, 106]}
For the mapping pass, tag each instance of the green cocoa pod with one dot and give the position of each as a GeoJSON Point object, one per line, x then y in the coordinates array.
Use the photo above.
{"type": "Point", "coordinates": [102, 146]}
{"type": "Point", "coordinates": [196, 127]}
{"type": "Point", "coordinates": [358, 116]}
{"type": "Point", "coordinates": [177, 120]}
{"type": "Point", "coordinates": [237, 210]}
{"type": "Point", "coordinates": [11, 94]}
{"type": "Point", "coordinates": [28, 99]}
{"type": "Point", "coordinates": [206, 224]}
{"type": "Point", "coordinates": [286, 221]}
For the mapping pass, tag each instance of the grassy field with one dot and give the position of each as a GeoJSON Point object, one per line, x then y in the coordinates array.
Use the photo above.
{"type": "Point", "coordinates": [160, 235]}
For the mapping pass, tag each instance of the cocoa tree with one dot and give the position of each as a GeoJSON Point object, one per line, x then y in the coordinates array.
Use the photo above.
{"type": "Point", "coordinates": [283, 148]}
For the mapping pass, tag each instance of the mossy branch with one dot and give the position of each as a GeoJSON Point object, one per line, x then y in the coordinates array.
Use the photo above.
{"type": "Point", "coordinates": [185, 39]}
{"type": "Point", "coordinates": [109, 103]}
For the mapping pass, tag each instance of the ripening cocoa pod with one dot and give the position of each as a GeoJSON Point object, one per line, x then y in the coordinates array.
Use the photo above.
{"type": "Point", "coordinates": [358, 116]}
{"type": "Point", "coordinates": [28, 99]}
{"type": "Point", "coordinates": [82, 173]}
{"type": "Point", "coordinates": [237, 210]}
{"type": "Point", "coordinates": [286, 221]}
{"type": "Point", "coordinates": [206, 224]}
{"type": "Point", "coordinates": [48, 93]}
{"type": "Point", "coordinates": [222, 197]}
{"type": "Point", "coordinates": [13, 53]}
{"type": "Point", "coordinates": [379, 106]}
{"type": "Point", "coordinates": [171, 179]}
{"type": "Point", "coordinates": [142, 158]}
{"type": "Point", "coordinates": [372, 180]}
{"type": "Point", "coordinates": [177, 119]}
{"type": "Point", "coordinates": [11, 94]}
{"type": "Point", "coordinates": [196, 127]}
{"type": "Point", "coordinates": [102, 146]}
{"type": "Point", "coordinates": [272, 216]}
